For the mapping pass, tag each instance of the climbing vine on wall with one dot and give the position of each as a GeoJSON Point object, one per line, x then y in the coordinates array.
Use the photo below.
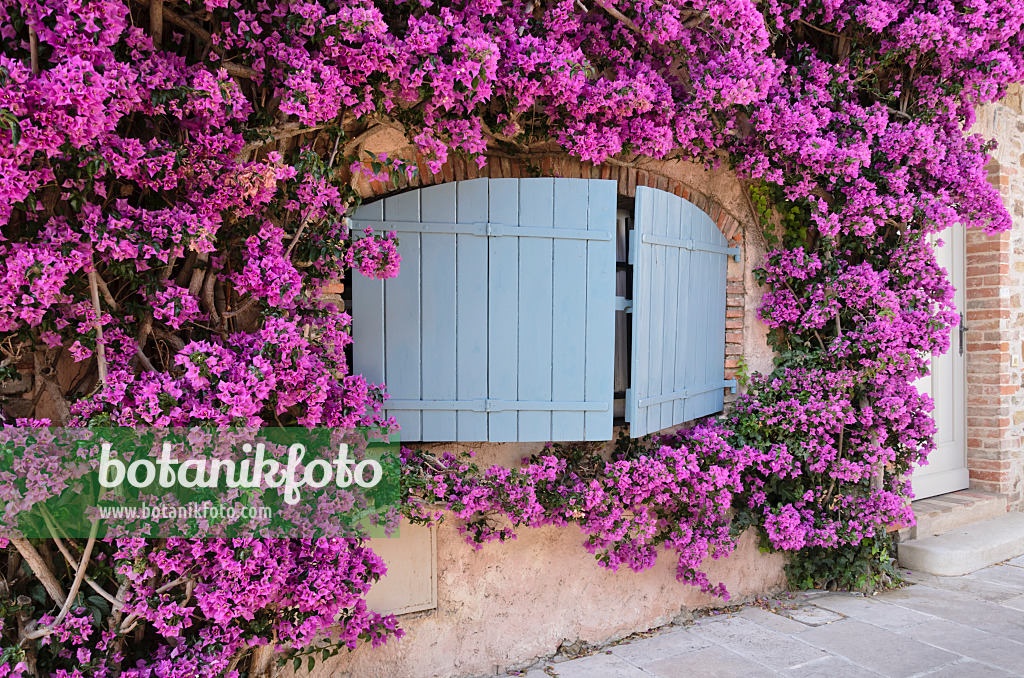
{"type": "Point", "coordinates": [174, 175]}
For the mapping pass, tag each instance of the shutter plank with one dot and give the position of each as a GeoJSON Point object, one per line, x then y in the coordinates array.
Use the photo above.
{"type": "Point", "coordinates": [368, 314]}
{"type": "Point", "coordinates": [402, 314]}
{"type": "Point", "coordinates": [639, 375]}
{"type": "Point", "coordinates": [714, 344]}
{"type": "Point", "coordinates": [437, 203]}
{"type": "Point", "coordinates": [503, 311]}
{"type": "Point", "coordinates": [569, 312]}
{"type": "Point", "coordinates": [718, 319]}
{"type": "Point", "coordinates": [655, 337]}
{"type": "Point", "coordinates": [471, 310]}
{"type": "Point", "coordinates": [536, 209]}
{"type": "Point", "coordinates": [599, 336]}
{"type": "Point", "coordinates": [697, 274]}
{"type": "Point", "coordinates": [684, 341]}
{"type": "Point", "coordinates": [671, 348]}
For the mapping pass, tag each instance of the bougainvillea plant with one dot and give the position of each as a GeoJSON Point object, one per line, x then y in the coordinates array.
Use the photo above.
{"type": "Point", "coordinates": [173, 182]}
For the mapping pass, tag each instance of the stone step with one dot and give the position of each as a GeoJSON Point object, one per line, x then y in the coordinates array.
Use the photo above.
{"type": "Point", "coordinates": [946, 512]}
{"type": "Point", "coordinates": [966, 549]}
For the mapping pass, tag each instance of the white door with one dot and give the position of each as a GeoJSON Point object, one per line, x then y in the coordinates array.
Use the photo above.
{"type": "Point", "coordinates": [946, 470]}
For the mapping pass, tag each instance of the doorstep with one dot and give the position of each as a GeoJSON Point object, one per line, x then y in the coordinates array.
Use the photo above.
{"type": "Point", "coordinates": [966, 549]}
{"type": "Point", "coordinates": [951, 511]}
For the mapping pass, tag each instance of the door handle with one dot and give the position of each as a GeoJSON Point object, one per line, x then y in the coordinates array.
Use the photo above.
{"type": "Point", "coordinates": [962, 331]}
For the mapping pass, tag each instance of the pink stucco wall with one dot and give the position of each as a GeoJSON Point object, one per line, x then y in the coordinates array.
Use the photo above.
{"type": "Point", "coordinates": [506, 605]}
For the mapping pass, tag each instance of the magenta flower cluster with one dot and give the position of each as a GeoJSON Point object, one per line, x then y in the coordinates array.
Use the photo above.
{"type": "Point", "coordinates": [675, 496]}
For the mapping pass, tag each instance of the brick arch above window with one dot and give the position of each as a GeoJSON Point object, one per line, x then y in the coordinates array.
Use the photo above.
{"type": "Point", "coordinates": [504, 167]}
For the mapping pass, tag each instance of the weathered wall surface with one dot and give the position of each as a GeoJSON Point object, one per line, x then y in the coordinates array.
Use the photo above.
{"type": "Point", "coordinates": [508, 604]}
{"type": "Point", "coordinates": [995, 316]}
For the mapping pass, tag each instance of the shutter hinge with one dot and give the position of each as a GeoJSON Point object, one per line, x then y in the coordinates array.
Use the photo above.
{"type": "Point", "coordinates": [489, 228]}
{"type": "Point", "coordinates": [623, 304]}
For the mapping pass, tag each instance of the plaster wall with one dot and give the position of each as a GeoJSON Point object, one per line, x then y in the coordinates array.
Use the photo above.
{"type": "Point", "coordinates": [508, 604]}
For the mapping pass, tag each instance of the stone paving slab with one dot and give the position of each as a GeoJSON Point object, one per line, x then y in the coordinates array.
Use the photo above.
{"type": "Point", "coordinates": [938, 627]}
{"type": "Point", "coordinates": [969, 669]}
{"type": "Point", "coordinates": [970, 584]}
{"type": "Point", "coordinates": [713, 662]}
{"type": "Point", "coordinates": [961, 609]}
{"type": "Point", "coordinates": [813, 615]}
{"type": "Point", "coordinates": [829, 667]}
{"type": "Point", "coordinates": [1005, 575]}
{"type": "Point", "coordinates": [971, 643]}
{"type": "Point", "coordinates": [757, 643]}
{"type": "Point", "coordinates": [770, 620]}
{"type": "Point", "coordinates": [873, 611]}
{"type": "Point", "coordinates": [877, 649]}
{"type": "Point", "coordinates": [663, 646]}
{"type": "Point", "coordinates": [599, 666]}
{"type": "Point", "coordinates": [1016, 603]}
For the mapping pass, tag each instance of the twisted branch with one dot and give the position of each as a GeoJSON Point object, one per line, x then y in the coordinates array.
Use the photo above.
{"type": "Point", "coordinates": [40, 570]}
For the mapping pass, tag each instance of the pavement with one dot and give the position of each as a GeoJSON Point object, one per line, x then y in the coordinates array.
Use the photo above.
{"type": "Point", "coordinates": [941, 627]}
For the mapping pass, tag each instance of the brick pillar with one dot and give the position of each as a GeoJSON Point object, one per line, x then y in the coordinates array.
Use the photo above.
{"type": "Point", "coordinates": [995, 402]}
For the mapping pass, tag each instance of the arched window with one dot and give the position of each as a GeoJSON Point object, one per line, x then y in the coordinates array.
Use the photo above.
{"type": "Point", "coordinates": [501, 325]}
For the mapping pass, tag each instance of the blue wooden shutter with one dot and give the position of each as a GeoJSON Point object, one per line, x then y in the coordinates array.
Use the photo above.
{"type": "Point", "coordinates": [678, 341]}
{"type": "Point", "coordinates": [499, 326]}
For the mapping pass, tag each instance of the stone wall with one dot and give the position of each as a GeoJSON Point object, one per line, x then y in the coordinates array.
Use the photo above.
{"type": "Point", "coordinates": [995, 317]}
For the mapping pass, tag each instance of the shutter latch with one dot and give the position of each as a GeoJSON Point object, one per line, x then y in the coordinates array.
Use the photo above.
{"type": "Point", "coordinates": [623, 304]}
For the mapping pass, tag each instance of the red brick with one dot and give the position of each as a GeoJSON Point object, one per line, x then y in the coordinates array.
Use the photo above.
{"type": "Point", "coordinates": [643, 178]}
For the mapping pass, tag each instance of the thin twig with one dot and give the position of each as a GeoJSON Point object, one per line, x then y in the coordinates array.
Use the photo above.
{"type": "Point", "coordinates": [170, 585]}
{"type": "Point", "coordinates": [101, 353]}
{"type": "Point", "coordinates": [75, 586]}
{"type": "Point", "coordinates": [618, 16]}
{"type": "Point", "coordinates": [245, 304]}
{"type": "Point", "coordinates": [820, 30]}
{"type": "Point", "coordinates": [107, 296]}
{"type": "Point", "coordinates": [272, 134]}
{"type": "Point", "coordinates": [295, 238]}
{"type": "Point", "coordinates": [334, 151]}
{"type": "Point", "coordinates": [33, 47]}
{"type": "Point", "coordinates": [48, 519]}
{"type": "Point", "coordinates": [144, 360]}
